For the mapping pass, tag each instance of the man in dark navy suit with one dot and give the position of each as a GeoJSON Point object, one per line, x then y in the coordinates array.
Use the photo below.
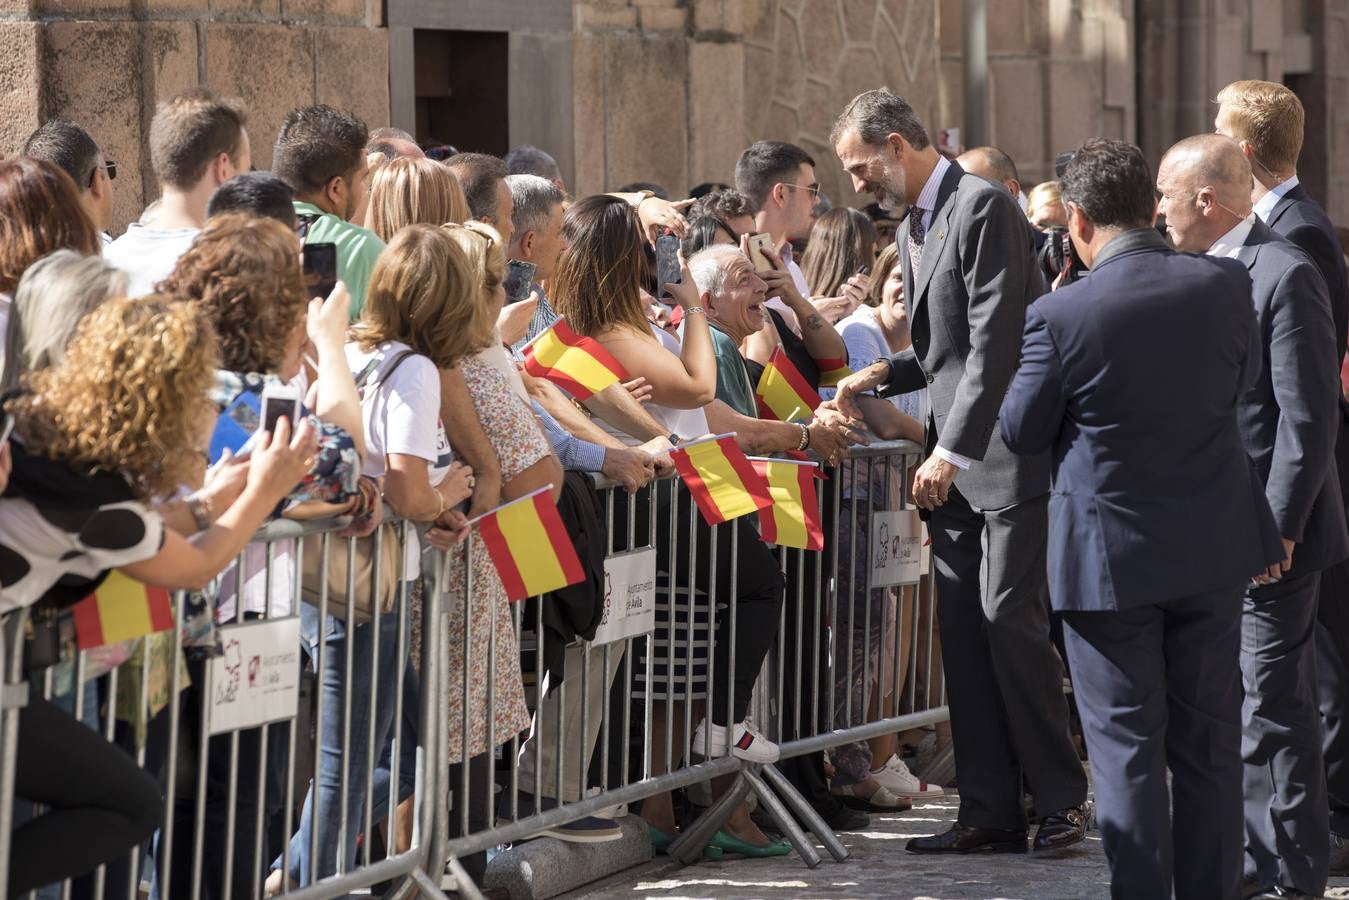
{"type": "Point", "coordinates": [1267, 119]}
{"type": "Point", "coordinates": [1131, 377]}
{"type": "Point", "coordinates": [1288, 419]}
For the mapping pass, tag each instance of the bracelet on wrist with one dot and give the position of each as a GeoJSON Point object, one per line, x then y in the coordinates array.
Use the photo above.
{"type": "Point", "coordinates": [440, 498]}
{"type": "Point", "coordinates": [805, 438]}
{"type": "Point", "coordinates": [695, 309]}
{"type": "Point", "coordinates": [200, 509]}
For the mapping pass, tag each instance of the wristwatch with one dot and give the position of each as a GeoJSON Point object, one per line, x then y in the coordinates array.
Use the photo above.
{"type": "Point", "coordinates": [674, 439]}
{"type": "Point", "coordinates": [642, 197]}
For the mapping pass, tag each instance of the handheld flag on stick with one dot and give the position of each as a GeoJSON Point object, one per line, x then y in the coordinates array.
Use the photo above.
{"type": "Point", "coordinates": [529, 546]}
{"type": "Point", "coordinates": [578, 365]}
{"type": "Point", "coordinates": [720, 478]}
{"type": "Point", "coordinates": [119, 610]}
{"type": "Point", "coordinates": [794, 518]}
{"type": "Point", "coordinates": [832, 371]}
{"type": "Point", "coordinates": [783, 391]}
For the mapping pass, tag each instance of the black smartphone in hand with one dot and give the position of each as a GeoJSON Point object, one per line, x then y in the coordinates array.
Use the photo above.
{"type": "Point", "coordinates": [320, 268]}
{"type": "Point", "coordinates": [667, 261]}
{"type": "Point", "coordinates": [519, 278]}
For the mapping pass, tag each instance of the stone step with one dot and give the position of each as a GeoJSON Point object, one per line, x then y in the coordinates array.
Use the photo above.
{"type": "Point", "coordinates": [546, 867]}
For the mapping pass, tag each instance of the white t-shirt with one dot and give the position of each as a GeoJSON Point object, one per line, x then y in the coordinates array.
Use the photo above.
{"type": "Point", "coordinates": [148, 255]}
{"type": "Point", "coordinates": [799, 279]}
{"type": "Point", "coordinates": [401, 414]}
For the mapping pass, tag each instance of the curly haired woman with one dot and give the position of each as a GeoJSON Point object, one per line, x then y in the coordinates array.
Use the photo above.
{"type": "Point", "coordinates": [98, 437]}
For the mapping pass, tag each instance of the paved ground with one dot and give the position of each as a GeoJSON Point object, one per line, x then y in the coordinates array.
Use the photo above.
{"type": "Point", "coordinates": [879, 867]}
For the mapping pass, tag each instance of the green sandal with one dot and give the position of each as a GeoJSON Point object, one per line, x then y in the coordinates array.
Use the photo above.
{"type": "Point", "coordinates": [730, 845]}
{"type": "Point", "coordinates": [661, 841]}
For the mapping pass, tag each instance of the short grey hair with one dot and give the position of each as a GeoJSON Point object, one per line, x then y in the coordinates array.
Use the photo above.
{"type": "Point", "coordinates": [875, 115]}
{"type": "Point", "coordinates": [709, 267]}
{"type": "Point", "coordinates": [53, 295]}
{"type": "Point", "coordinates": [534, 198]}
{"type": "Point", "coordinates": [528, 160]}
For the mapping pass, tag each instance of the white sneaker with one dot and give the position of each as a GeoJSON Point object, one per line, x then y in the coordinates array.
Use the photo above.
{"type": "Point", "coordinates": [896, 776]}
{"type": "Point", "coordinates": [745, 742]}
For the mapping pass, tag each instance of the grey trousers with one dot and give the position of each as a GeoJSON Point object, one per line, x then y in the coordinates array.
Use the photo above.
{"type": "Point", "coordinates": [1287, 816]}
{"type": "Point", "coordinates": [1003, 677]}
{"type": "Point", "coordinates": [580, 719]}
{"type": "Point", "coordinates": [1158, 687]}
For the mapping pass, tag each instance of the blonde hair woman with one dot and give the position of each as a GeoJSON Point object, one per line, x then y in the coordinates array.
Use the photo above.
{"type": "Point", "coordinates": [116, 424]}
{"type": "Point", "coordinates": [413, 190]}
{"type": "Point", "coordinates": [1044, 206]}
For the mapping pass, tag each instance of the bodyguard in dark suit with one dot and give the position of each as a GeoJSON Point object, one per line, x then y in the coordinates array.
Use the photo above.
{"type": "Point", "coordinates": [1266, 119]}
{"type": "Point", "coordinates": [969, 273]}
{"type": "Point", "coordinates": [1132, 377]}
{"type": "Point", "coordinates": [1288, 423]}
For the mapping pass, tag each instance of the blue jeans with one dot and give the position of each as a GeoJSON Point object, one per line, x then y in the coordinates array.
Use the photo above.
{"type": "Point", "coordinates": [408, 733]}
{"type": "Point", "coordinates": [333, 754]}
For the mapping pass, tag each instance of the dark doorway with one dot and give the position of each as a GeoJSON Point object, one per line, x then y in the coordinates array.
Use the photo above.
{"type": "Point", "coordinates": [461, 89]}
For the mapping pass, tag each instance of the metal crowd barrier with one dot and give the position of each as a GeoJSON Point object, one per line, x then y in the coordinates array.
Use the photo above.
{"type": "Point", "coordinates": [867, 573]}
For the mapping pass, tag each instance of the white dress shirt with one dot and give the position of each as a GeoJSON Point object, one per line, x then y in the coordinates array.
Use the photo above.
{"type": "Point", "coordinates": [1230, 243]}
{"type": "Point", "coordinates": [1264, 207]}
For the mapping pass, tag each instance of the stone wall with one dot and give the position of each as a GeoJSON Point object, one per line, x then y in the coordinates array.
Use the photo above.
{"type": "Point", "coordinates": [672, 91]}
{"type": "Point", "coordinates": [108, 63]}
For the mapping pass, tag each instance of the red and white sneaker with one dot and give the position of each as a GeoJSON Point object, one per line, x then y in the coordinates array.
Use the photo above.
{"type": "Point", "coordinates": [746, 743]}
{"type": "Point", "coordinates": [896, 776]}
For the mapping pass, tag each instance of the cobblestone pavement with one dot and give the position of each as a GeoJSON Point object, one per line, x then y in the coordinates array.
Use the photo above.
{"type": "Point", "coordinates": [880, 867]}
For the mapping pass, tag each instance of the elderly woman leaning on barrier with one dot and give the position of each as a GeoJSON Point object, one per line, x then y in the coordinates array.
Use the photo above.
{"type": "Point", "coordinates": [598, 291]}
{"type": "Point", "coordinates": [244, 271]}
{"type": "Point", "coordinates": [89, 455]}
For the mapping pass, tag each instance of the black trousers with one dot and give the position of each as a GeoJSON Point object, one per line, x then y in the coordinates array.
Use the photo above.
{"type": "Point", "coordinates": [1005, 682]}
{"type": "Point", "coordinates": [1287, 827]}
{"type": "Point", "coordinates": [100, 804]}
{"type": "Point", "coordinates": [1159, 689]}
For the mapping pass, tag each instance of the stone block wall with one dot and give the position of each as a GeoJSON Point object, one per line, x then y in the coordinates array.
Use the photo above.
{"type": "Point", "coordinates": [672, 90]}
{"type": "Point", "coordinates": [108, 63]}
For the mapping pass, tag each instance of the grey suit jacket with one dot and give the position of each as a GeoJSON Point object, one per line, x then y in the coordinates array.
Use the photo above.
{"type": "Point", "coordinates": [967, 308]}
{"type": "Point", "coordinates": [1290, 416]}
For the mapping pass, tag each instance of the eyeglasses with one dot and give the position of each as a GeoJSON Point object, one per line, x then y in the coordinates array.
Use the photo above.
{"type": "Point", "coordinates": [476, 228]}
{"type": "Point", "coordinates": [109, 166]}
{"type": "Point", "coordinates": [813, 188]}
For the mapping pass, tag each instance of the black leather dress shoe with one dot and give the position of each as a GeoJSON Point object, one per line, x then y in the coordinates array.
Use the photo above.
{"type": "Point", "coordinates": [1062, 829]}
{"type": "Point", "coordinates": [965, 839]}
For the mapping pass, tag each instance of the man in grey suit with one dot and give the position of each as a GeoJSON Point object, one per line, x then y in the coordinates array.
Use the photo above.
{"type": "Point", "coordinates": [1288, 423]}
{"type": "Point", "coordinates": [1133, 377]}
{"type": "Point", "coordinates": [969, 273]}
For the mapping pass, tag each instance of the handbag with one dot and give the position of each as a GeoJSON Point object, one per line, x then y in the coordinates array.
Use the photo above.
{"type": "Point", "coordinates": [369, 594]}
{"type": "Point", "coordinates": [384, 542]}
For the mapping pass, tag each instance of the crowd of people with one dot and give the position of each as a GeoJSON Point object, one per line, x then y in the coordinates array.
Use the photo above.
{"type": "Point", "coordinates": [1185, 409]}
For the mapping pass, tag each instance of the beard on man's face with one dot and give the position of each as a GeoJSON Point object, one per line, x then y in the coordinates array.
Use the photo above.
{"type": "Point", "coordinates": [890, 190]}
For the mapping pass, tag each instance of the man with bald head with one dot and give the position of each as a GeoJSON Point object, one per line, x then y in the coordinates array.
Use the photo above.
{"type": "Point", "coordinates": [993, 164]}
{"type": "Point", "coordinates": [1288, 421]}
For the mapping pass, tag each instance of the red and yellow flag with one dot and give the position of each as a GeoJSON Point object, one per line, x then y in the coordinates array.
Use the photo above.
{"type": "Point", "coordinates": [119, 610]}
{"type": "Point", "coordinates": [783, 392]}
{"type": "Point", "coordinates": [529, 546]}
{"type": "Point", "coordinates": [720, 478]}
{"type": "Point", "coordinates": [832, 371]}
{"type": "Point", "coordinates": [578, 365]}
{"type": "Point", "coordinates": [794, 518]}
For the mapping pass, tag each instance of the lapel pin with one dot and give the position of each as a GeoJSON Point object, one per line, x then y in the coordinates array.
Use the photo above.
{"type": "Point", "coordinates": [941, 235]}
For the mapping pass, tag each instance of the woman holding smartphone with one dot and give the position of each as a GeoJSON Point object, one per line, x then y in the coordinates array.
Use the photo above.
{"type": "Point", "coordinates": [89, 457]}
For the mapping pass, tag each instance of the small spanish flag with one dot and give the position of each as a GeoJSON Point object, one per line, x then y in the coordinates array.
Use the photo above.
{"type": "Point", "coordinates": [832, 371]}
{"type": "Point", "coordinates": [119, 610]}
{"type": "Point", "coordinates": [529, 546]}
{"type": "Point", "coordinates": [578, 365]}
{"type": "Point", "coordinates": [783, 391]}
{"type": "Point", "coordinates": [794, 518]}
{"type": "Point", "coordinates": [720, 478]}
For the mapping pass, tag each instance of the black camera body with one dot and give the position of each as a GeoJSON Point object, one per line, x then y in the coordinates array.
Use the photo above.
{"type": "Point", "coordinates": [1059, 254]}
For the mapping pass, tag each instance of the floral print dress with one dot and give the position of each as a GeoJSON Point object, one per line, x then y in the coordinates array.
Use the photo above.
{"type": "Point", "coordinates": [518, 443]}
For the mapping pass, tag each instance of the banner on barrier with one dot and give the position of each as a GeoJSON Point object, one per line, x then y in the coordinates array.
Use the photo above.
{"type": "Point", "coordinates": [896, 547]}
{"type": "Point", "coordinates": [629, 596]}
{"type": "Point", "coordinates": [257, 678]}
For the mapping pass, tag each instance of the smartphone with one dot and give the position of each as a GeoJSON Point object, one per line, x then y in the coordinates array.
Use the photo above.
{"type": "Point", "coordinates": [320, 268]}
{"type": "Point", "coordinates": [865, 270]}
{"type": "Point", "coordinates": [757, 244]}
{"type": "Point", "coordinates": [519, 278]}
{"type": "Point", "coordinates": [279, 401]}
{"type": "Point", "coordinates": [667, 261]}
